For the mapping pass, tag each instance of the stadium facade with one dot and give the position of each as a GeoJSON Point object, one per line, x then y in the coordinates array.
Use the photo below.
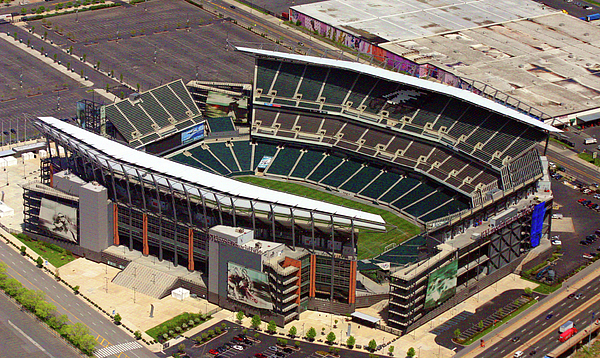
{"type": "Point", "coordinates": [462, 166]}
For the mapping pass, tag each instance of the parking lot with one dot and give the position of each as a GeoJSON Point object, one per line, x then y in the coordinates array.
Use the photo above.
{"type": "Point", "coordinates": [173, 38]}
{"type": "Point", "coordinates": [262, 347]}
{"type": "Point", "coordinates": [585, 222]}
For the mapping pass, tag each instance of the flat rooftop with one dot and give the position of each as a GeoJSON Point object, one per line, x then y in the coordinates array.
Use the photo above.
{"type": "Point", "coordinates": [550, 62]}
{"type": "Point", "coordinates": [408, 19]}
{"type": "Point", "coordinates": [543, 57]}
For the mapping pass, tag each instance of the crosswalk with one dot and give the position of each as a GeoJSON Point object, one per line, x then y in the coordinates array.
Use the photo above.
{"type": "Point", "coordinates": [116, 349]}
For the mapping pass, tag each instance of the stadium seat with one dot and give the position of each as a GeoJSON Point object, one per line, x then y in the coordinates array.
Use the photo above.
{"type": "Point", "coordinates": [380, 185]}
{"type": "Point", "coordinates": [309, 160]}
{"type": "Point", "coordinates": [261, 150]}
{"type": "Point", "coordinates": [284, 161]}
{"type": "Point", "coordinates": [221, 124]}
{"type": "Point", "coordinates": [312, 82]}
{"type": "Point", "coordinates": [341, 173]}
{"type": "Point", "coordinates": [326, 167]}
{"type": "Point", "coordinates": [287, 79]}
{"type": "Point", "coordinates": [363, 177]}
{"type": "Point", "coordinates": [221, 151]}
{"type": "Point", "coordinates": [243, 152]}
{"type": "Point", "coordinates": [265, 73]}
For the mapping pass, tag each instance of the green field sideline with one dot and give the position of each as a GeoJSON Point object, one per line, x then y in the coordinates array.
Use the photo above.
{"type": "Point", "coordinates": [370, 243]}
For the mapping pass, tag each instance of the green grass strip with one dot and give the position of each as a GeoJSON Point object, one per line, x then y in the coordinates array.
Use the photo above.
{"type": "Point", "coordinates": [370, 243]}
{"type": "Point", "coordinates": [589, 158]}
{"type": "Point", "coordinates": [56, 255]}
{"type": "Point", "coordinates": [176, 321]}
{"type": "Point", "coordinates": [481, 334]}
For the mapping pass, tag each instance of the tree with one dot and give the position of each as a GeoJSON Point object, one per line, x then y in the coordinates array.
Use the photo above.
{"type": "Point", "coordinates": [57, 322]}
{"type": "Point", "coordinates": [372, 345]}
{"type": "Point", "coordinates": [39, 261]}
{"type": "Point", "coordinates": [117, 318]}
{"type": "Point", "coordinates": [24, 248]}
{"type": "Point", "coordinates": [181, 348]}
{"type": "Point", "coordinates": [456, 333]}
{"type": "Point", "coordinates": [138, 87]}
{"type": "Point", "coordinates": [350, 341]}
{"type": "Point", "coordinates": [23, 11]}
{"type": "Point", "coordinates": [311, 333]}
{"type": "Point", "coordinates": [272, 327]}
{"type": "Point", "coordinates": [411, 352]}
{"type": "Point", "coordinates": [391, 350]}
{"type": "Point", "coordinates": [293, 331]}
{"type": "Point", "coordinates": [239, 316]}
{"type": "Point", "coordinates": [12, 287]}
{"type": "Point", "coordinates": [76, 289]}
{"type": "Point", "coordinates": [297, 344]}
{"type": "Point", "coordinates": [330, 338]}
{"type": "Point", "coordinates": [137, 334]}
{"type": "Point", "coordinates": [256, 322]}
{"type": "Point", "coordinates": [44, 309]}
{"type": "Point", "coordinates": [480, 325]}
{"type": "Point", "coordinates": [528, 291]}
{"type": "Point", "coordinates": [121, 77]}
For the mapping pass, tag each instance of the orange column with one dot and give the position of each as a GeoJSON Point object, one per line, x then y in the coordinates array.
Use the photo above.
{"type": "Point", "coordinates": [51, 175]}
{"type": "Point", "coordinates": [145, 248]}
{"type": "Point", "coordinates": [115, 224]}
{"type": "Point", "coordinates": [313, 275]}
{"type": "Point", "coordinates": [352, 293]}
{"type": "Point", "coordinates": [190, 249]}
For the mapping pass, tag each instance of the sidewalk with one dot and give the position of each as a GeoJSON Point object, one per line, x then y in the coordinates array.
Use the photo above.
{"type": "Point", "coordinates": [580, 279]}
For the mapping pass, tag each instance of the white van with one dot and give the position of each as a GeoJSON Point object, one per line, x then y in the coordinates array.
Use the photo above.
{"type": "Point", "coordinates": [590, 141]}
{"type": "Point", "coordinates": [566, 326]}
{"type": "Point", "coordinates": [518, 354]}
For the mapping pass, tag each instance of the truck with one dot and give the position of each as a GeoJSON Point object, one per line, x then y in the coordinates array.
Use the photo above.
{"type": "Point", "coordinates": [567, 334]}
{"type": "Point", "coordinates": [590, 140]}
{"type": "Point", "coordinates": [565, 326]}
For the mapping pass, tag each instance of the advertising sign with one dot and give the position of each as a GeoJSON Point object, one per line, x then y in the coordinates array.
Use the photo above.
{"type": "Point", "coordinates": [192, 134]}
{"type": "Point", "coordinates": [248, 286]}
{"type": "Point", "coordinates": [441, 285]}
{"type": "Point", "coordinates": [60, 220]}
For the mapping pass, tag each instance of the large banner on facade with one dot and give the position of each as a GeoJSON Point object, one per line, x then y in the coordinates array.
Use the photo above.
{"type": "Point", "coordinates": [441, 284]}
{"type": "Point", "coordinates": [60, 220]}
{"type": "Point", "coordinates": [248, 286]}
{"type": "Point", "coordinates": [537, 223]}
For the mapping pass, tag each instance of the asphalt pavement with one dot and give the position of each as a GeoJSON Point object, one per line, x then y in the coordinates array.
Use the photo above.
{"type": "Point", "coordinates": [105, 331]}
{"type": "Point", "coordinates": [561, 312]}
{"type": "Point", "coordinates": [21, 335]}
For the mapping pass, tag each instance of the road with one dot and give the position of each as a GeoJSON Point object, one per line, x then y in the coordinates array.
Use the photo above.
{"type": "Point", "coordinates": [575, 167]}
{"type": "Point", "coordinates": [106, 333]}
{"type": "Point", "coordinates": [22, 335]}
{"type": "Point", "coordinates": [529, 334]}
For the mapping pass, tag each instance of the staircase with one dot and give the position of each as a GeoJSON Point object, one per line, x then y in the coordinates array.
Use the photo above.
{"type": "Point", "coordinates": [146, 280]}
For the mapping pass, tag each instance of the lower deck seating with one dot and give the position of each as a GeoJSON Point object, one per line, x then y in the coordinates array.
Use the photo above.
{"type": "Point", "coordinates": [284, 161]}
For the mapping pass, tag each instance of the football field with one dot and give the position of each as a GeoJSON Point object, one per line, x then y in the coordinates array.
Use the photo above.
{"type": "Point", "coordinates": [370, 243]}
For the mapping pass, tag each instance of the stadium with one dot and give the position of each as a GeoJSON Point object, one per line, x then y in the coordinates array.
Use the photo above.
{"type": "Point", "coordinates": [440, 189]}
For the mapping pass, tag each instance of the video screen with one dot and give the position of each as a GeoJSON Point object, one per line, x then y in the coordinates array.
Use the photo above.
{"type": "Point", "coordinates": [248, 286]}
{"type": "Point", "coordinates": [60, 220]}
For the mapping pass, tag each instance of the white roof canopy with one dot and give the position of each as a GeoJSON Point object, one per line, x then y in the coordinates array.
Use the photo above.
{"type": "Point", "coordinates": [218, 188]}
{"type": "Point", "coordinates": [459, 93]}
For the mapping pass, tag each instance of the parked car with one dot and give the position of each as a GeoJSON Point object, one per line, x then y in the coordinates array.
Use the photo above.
{"type": "Point", "coordinates": [583, 242]}
{"type": "Point", "coordinates": [556, 242]}
{"type": "Point", "coordinates": [238, 347]}
{"type": "Point", "coordinates": [581, 200]}
{"type": "Point", "coordinates": [578, 296]}
{"type": "Point", "coordinates": [238, 339]}
{"type": "Point", "coordinates": [260, 355]}
{"type": "Point", "coordinates": [571, 295]}
{"type": "Point", "coordinates": [588, 256]}
{"type": "Point", "coordinates": [515, 339]}
{"type": "Point", "coordinates": [213, 352]}
{"type": "Point", "coordinates": [549, 316]}
{"type": "Point", "coordinates": [518, 354]}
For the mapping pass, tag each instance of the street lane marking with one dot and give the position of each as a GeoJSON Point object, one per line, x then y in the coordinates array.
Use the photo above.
{"type": "Point", "coordinates": [30, 339]}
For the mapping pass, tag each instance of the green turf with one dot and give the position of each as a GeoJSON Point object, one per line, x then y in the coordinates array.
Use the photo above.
{"type": "Point", "coordinates": [370, 243]}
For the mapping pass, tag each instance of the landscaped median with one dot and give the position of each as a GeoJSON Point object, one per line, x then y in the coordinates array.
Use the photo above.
{"type": "Point", "coordinates": [34, 301]}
